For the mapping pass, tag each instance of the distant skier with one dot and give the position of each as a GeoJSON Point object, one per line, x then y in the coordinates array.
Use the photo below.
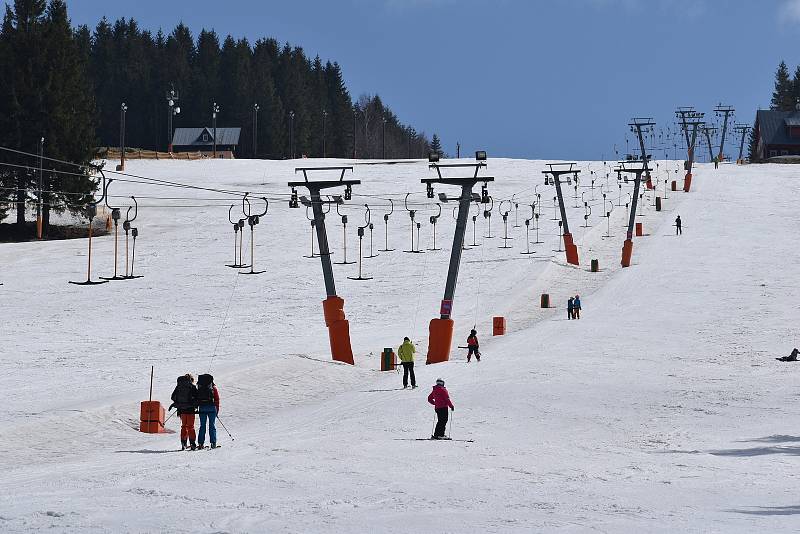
{"type": "Point", "coordinates": [208, 408]}
{"type": "Point", "coordinates": [440, 399]}
{"type": "Point", "coordinates": [571, 308]}
{"type": "Point", "coordinates": [406, 354]}
{"type": "Point", "coordinates": [184, 398]}
{"type": "Point", "coordinates": [678, 229]}
{"type": "Point", "coordinates": [716, 162]}
{"type": "Point", "coordinates": [576, 307]}
{"type": "Point", "coordinates": [473, 346]}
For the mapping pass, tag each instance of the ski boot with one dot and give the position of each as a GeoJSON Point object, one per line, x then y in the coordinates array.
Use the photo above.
{"type": "Point", "coordinates": [213, 445]}
{"type": "Point", "coordinates": [200, 446]}
{"type": "Point", "coordinates": [183, 444]}
{"type": "Point", "coordinates": [194, 446]}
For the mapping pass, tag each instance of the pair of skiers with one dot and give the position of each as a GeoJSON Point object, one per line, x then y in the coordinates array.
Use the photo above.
{"type": "Point", "coordinates": [574, 307]}
{"type": "Point", "coordinates": [202, 399]}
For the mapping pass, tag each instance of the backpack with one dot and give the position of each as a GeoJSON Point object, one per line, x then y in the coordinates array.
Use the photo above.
{"type": "Point", "coordinates": [205, 389]}
{"type": "Point", "coordinates": [183, 392]}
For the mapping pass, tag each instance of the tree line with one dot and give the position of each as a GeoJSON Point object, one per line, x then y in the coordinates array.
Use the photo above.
{"type": "Point", "coordinates": [67, 84]}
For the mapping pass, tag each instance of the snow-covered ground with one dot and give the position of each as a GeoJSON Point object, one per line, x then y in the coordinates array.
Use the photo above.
{"type": "Point", "coordinates": [661, 410]}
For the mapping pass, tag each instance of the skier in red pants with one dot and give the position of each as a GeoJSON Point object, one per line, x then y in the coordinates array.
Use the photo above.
{"type": "Point", "coordinates": [184, 398]}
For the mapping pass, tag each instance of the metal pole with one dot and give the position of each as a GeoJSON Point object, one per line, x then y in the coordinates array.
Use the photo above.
{"type": "Point", "coordinates": [322, 239]}
{"type": "Point", "coordinates": [324, 144]}
{"type": "Point", "coordinates": [355, 116]}
{"type": "Point", "coordinates": [152, 367]}
{"type": "Point", "coordinates": [458, 244]}
{"type": "Point", "coordinates": [39, 221]}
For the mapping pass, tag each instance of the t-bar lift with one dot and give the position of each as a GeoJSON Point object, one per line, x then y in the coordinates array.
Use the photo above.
{"type": "Point", "coordinates": [556, 171]}
{"type": "Point", "coordinates": [441, 330]}
{"type": "Point", "coordinates": [638, 126]}
{"type": "Point", "coordinates": [689, 118]}
{"type": "Point", "coordinates": [333, 305]}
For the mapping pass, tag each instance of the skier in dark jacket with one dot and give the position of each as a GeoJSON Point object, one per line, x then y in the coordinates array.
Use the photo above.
{"type": "Point", "coordinates": [184, 398]}
{"type": "Point", "coordinates": [571, 308]}
{"type": "Point", "coordinates": [576, 307]}
{"type": "Point", "coordinates": [440, 399]}
{"type": "Point", "coordinates": [473, 346]}
{"type": "Point", "coordinates": [678, 229]}
{"type": "Point", "coordinates": [208, 408]}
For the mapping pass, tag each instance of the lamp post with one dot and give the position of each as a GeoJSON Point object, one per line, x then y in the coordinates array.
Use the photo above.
{"type": "Point", "coordinates": [291, 135]}
{"type": "Point", "coordinates": [174, 109]}
{"type": "Point", "coordinates": [40, 183]}
{"type": "Point", "coordinates": [324, 146]}
{"type": "Point", "coordinates": [384, 139]}
{"type": "Point", "coordinates": [255, 130]}
{"type": "Point", "coordinates": [355, 116]}
{"type": "Point", "coordinates": [214, 111]}
{"type": "Point", "coordinates": [122, 110]}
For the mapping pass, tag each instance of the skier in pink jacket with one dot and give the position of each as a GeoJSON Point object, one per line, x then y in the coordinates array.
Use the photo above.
{"type": "Point", "coordinates": [440, 399]}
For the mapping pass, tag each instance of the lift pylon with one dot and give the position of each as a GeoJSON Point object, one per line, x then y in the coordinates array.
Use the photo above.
{"type": "Point", "coordinates": [441, 330]}
{"type": "Point", "coordinates": [725, 111]}
{"type": "Point", "coordinates": [557, 170]}
{"type": "Point", "coordinates": [333, 305]}
{"type": "Point", "coordinates": [689, 119]}
{"type": "Point", "coordinates": [638, 126]}
{"type": "Point", "coordinates": [741, 129]}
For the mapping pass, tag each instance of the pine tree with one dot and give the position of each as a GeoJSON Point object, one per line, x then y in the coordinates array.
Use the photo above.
{"type": "Point", "coordinates": [436, 145]}
{"type": "Point", "coordinates": [782, 96]}
{"type": "Point", "coordinates": [753, 146]}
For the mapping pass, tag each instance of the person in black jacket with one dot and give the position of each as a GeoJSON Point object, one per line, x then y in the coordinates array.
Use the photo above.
{"type": "Point", "coordinates": [184, 398]}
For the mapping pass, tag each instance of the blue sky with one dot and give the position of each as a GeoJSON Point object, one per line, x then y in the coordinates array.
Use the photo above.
{"type": "Point", "coordinates": [519, 78]}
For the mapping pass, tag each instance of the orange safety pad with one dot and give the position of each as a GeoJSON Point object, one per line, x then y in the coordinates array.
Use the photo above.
{"type": "Point", "coordinates": [498, 326]}
{"type": "Point", "coordinates": [333, 308]}
{"type": "Point", "coordinates": [545, 301]}
{"type": "Point", "coordinates": [674, 185]}
{"type": "Point", "coordinates": [572, 250]}
{"type": "Point", "coordinates": [339, 333]}
{"type": "Point", "coordinates": [440, 340]}
{"type": "Point", "coordinates": [151, 417]}
{"type": "Point", "coordinates": [687, 183]}
{"type": "Point", "coordinates": [627, 252]}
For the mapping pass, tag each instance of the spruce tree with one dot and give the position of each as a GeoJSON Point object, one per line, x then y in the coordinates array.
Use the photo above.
{"type": "Point", "coordinates": [782, 96]}
{"type": "Point", "coordinates": [436, 145]}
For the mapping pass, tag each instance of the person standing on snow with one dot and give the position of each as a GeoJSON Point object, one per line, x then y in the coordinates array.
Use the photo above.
{"type": "Point", "coordinates": [440, 399]}
{"type": "Point", "coordinates": [678, 229]}
{"type": "Point", "coordinates": [571, 308]}
{"type": "Point", "coordinates": [184, 398]}
{"type": "Point", "coordinates": [576, 307]}
{"type": "Point", "coordinates": [208, 408]}
{"type": "Point", "coordinates": [473, 346]}
{"type": "Point", "coordinates": [406, 354]}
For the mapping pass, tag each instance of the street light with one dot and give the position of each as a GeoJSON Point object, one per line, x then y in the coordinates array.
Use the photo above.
{"type": "Point", "coordinates": [174, 109]}
{"type": "Point", "coordinates": [291, 134]}
{"type": "Point", "coordinates": [355, 117]}
{"type": "Point", "coordinates": [214, 111]}
{"type": "Point", "coordinates": [383, 156]}
{"type": "Point", "coordinates": [255, 130]}
{"type": "Point", "coordinates": [122, 109]}
{"type": "Point", "coordinates": [39, 204]}
{"type": "Point", "coordinates": [324, 147]}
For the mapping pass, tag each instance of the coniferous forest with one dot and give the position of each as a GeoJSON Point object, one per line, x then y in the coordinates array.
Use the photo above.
{"type": "Point", "coordinates": [67, 85]}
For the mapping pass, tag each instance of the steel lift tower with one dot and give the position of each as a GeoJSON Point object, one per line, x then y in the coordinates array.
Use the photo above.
{"type": "Point", "coordinates": [333, 305]}
{"type": "Point", "coordinates": [440, 340]}
{"type": "Point", "coordinates": [556, 171]}
{"type": "Point", "coordinates": [639, 126]}
{"type": "Point", "coordinates": [689, 119]}
{"type": "Point", "coordinates": [741, 129]}
{"type": "Point", "coordinates": [725, 111]}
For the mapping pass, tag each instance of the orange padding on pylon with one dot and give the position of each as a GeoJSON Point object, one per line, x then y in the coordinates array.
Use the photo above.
{"type": "Point", "coordinates": [627, 252]}
{"type": "Point", "coordinates": [440, 340]}
{"type": "Point", "coordinates": [572, 250]}
{"type": "Point", "coordinates": [333, 308]}
{"type": "Point", "coordinates": [687, 183]}
{"type": "Point", "coordinates": [151, 417]}
{"type": "Point", "coordinates": [338, 329]}
{"type": "Point", "coordinates": [339, 333]}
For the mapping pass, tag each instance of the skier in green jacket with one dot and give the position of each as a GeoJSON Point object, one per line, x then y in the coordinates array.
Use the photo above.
{"type": "Point", "coordinates": [406, 354]}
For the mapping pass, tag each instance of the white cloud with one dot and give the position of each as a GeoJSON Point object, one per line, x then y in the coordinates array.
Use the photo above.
{"type": "Point", "coordinates": [790, 11]}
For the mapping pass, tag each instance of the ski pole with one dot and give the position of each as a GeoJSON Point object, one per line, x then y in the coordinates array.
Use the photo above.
{"type": "Point", "coordinates": [226, 428]}
{"type": "Point", "coordinates": [163, 425]}
{"type": "Point", "coordinates": [449, 434]}
{"type": "Point", "coordinates": [433, 426]}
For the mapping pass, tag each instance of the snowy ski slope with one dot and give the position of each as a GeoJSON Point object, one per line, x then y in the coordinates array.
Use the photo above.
{"type": "Point", "coordinates": [661, 410]}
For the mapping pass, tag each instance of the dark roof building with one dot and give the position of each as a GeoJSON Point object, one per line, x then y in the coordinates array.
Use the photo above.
{"type": "Point", "coordinates": [777, 133]}
{"type": "Point", "coordinates": [202, 140]}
